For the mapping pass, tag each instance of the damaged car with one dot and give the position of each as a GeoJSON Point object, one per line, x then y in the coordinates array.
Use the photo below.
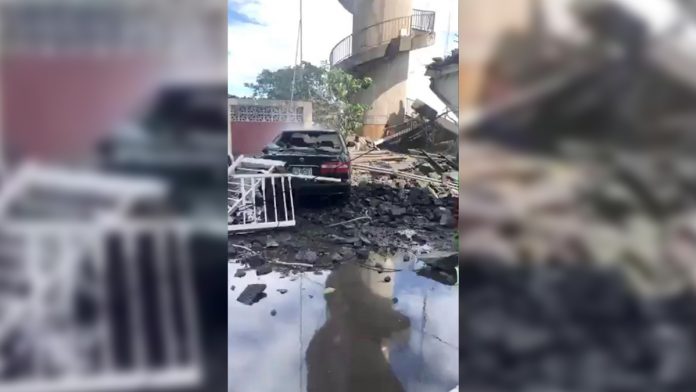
{"type": "Point", "coordinates": [311, 154]}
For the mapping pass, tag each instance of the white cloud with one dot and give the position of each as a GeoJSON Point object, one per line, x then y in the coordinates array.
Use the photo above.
{"type": "Point", "coordinates": [272, 44]}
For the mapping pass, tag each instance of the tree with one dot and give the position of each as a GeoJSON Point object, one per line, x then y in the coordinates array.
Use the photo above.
{"type": "Point", "coordinates": [331, 90]}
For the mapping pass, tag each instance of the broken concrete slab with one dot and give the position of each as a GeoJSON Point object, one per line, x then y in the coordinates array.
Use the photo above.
{"type": "Point", "coordinates": [440, 259]}
{"type": "Point", "coordinates": [264, 269]}
{"type": "Point", "coordinates": [252, 294]}
{"type": "Point", "coordinates": [254, 261]}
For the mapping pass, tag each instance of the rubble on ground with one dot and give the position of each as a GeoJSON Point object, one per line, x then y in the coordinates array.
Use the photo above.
{"type": "Point", "coordinates": [571, 327]}
{"type": "Point", "coordinates": [435, 173]}
{"type": "Point", "coordinates": [330, 235]}
{"type": "Point", "coordinates": [406, 211]}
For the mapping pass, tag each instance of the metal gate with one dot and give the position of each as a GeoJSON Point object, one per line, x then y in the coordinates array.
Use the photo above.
{"type": "Point", "coordinates": [97, 308]}
{"type": "Point", "coordinates": [260, 201]}
{"type": "Point", "coordinates": [92, 298]}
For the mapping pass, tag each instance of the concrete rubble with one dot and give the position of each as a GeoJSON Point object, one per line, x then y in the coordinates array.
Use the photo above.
{"type": "Point", "coordinates": [399, 203]}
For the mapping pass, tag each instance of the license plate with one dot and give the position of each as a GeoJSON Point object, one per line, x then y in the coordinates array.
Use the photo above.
{"type": "Point", "coordinates": [303, 171]}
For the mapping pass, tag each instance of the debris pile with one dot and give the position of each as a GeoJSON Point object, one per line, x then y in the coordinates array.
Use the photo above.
{"type": "Point", "coordinates": [629, 211]}
{"type": "Point", "coordinates": [377, 218]}
{"type": "Point", "coordinates": [570, 328]}
{"type": "Point", "coordinates": [398, 203]}
{"type": "Point", "coordinates": [436, 173]}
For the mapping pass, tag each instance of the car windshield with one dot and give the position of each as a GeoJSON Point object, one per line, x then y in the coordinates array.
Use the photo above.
{"type": "Point", "coordinates": [311, 140]}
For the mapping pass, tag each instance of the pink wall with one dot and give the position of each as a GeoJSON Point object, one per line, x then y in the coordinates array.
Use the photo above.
{"type": "Point", "coordinates": [249, 138]}
{"type": "Point", "coordinates": [57, 108]}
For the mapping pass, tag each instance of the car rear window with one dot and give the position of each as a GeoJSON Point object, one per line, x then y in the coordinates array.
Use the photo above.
{"type": "Point", "coordinates": [329, 140]}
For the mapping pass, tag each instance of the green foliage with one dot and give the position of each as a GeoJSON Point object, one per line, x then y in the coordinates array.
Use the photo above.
{"type": "Point", "coordinates": [332, 93]}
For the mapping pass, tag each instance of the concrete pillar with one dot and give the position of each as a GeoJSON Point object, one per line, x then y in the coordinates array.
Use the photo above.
{"type": "Point", "coordinates": [370, 12]}
{"type": "Point", "coordinates": [387, 96]}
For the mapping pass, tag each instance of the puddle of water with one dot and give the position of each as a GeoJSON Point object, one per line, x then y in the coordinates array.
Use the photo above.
{"type": "Point", "coordinates": [356, 338]}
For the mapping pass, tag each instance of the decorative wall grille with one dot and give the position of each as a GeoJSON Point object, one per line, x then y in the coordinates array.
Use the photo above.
{"type": "Point", "coordinates": [258, 113]}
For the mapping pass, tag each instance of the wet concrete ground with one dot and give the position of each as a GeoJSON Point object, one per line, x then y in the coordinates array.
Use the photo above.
{"type": "Point", "coordinates": [364, 335]}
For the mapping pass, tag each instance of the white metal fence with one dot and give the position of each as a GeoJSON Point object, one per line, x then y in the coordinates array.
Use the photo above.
{"type": "Point", "coordinates": [97, 307]}
{"type": "Point", "coordinates": [260, 201]}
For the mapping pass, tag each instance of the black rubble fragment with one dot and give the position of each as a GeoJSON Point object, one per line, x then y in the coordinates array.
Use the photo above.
{"type": "Point", "coordinates": [306, 256]}
{"type": "Point", "coordinates": [441, 260]}
{"type": "Point", "coordinates": [239, 274]}
{"type": "Point", "coordinates": [397, 211]}
{"type": "Point", "coordinates": [252, 294]}
{"type": "Point", "coordinates": [282, 291]}
{"type": "Point", "coordinates": [254, 261]}
{"type": "Point", "coordinates": [446, 277]}
{"type": "Point", "coordinates": [264, 269]}
{"type": "Point", "coordinates": [273, 312]}
{"type": "Point", "coordinates": [363, 254]}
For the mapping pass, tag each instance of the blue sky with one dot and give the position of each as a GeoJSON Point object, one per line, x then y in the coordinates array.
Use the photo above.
{"type": "Point", "coordinates": [263, 33]}
{"type": "Point", "coordinates": [236, 17]}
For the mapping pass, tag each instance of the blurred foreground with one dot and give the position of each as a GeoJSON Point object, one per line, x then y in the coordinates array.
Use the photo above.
{"type": "Point", "coordinates": [112, 150]}
{"type": "Point", "coordinates": [577, 201]}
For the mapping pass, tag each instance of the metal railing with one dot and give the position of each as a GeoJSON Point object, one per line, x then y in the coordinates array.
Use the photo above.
{"type": "Point", "coordinates": [382, 33]}
{"type": "Point", "coordinates": [142, 331]}
{"type": "Point", "coordinates": [260, 201]}
{"type": "Point", "coordinates": [92, 298]}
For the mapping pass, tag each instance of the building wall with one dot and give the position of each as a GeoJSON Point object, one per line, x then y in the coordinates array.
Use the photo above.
{"type": "Point", "coordinates": [59, 108]}
{"type": "Point", "coordinates": [255, 123]}
{"type": "Point", "coordinates": [249, 138]}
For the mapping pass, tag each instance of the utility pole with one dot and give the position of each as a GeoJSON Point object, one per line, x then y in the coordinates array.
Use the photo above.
{"type": "Point", "coordinates": [298, 56]}
{"type": "Point", "coordinates": [449, 30]}
{"type": "Point", "coordinates": [301, 28]}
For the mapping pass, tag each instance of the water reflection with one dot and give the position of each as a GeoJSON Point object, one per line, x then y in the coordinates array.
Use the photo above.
{"type": "Point", "coordinates": [350, 352]}
{"type": "Point", "coordinates": [352, 339]}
